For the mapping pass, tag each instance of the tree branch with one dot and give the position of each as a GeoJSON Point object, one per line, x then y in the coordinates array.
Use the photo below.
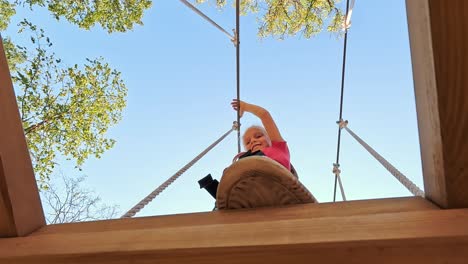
{"type": "Point", "coordinates": [34, 127]}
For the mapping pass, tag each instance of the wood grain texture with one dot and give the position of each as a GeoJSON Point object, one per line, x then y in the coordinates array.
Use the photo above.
{"type": "Point", "coordinates": [426, 100]}
{"type": "Point", "coordinates": [426, 236]}
{"type": "Point", "coordinates": [439, 40]}
{"type": "Point", "coordinates": [449, 23]}
{"type": "Point", "coordinates": [381, 252]}
{"type": "Point", "coordinates": [20, 206]}
{"type": "Point", "coordinates": [301, 211]}
{"type": "Point", "coordinates": [256, 181]}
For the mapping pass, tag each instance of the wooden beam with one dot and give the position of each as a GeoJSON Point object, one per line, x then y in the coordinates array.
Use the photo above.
{"type": "Point", "coordinates": [439, 40]}
{"type": "Point", "coordinates": [421, 235]}
{"type": "Point", "coordinates": [301, 211]}
{"type": "Point", "coordinates": [20, 206]}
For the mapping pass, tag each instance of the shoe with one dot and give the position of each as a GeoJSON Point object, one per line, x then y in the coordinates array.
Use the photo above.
{"type": "Point", "coordinates": [259, 181]}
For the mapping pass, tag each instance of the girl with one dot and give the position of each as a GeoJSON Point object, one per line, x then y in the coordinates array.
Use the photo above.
{"type": "Point", "coordinates": [266, 140]}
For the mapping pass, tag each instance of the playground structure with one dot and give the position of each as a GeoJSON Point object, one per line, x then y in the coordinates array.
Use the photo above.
{"type": "Point", "coordinates": [399, 230]}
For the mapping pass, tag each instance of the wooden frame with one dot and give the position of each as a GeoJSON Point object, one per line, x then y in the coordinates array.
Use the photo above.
{"type": "Point", "coordinates": [368, 231]}
{"type": "Point", "coordinates": [403, 230]}
{"type": "Point", "coordinates": [20, 206]}
{"type": "Point", "coordinates": [438, 34]}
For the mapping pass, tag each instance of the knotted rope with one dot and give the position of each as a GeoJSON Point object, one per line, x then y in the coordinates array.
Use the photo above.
{"type": "Point", "coordinates": [394, 171]}
{"type": "Point", "coordinates": [174, 177]}
{"type": "Point", "coordinates": [237, 44]}
{"type": "Point", "coordinates": [346, 25]}
{"type": "Point", "coordinates": [337, 172]}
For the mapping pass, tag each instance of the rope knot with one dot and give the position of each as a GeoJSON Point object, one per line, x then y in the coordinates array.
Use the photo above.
{"type": "Point", "coordinates": [336, 169]}
{"type": "Point", "coordinates": [349, 13]}
{"type": "Point", "coordinates": [342, 123]}
{"type": "Point", "coordinates": [235, 39]}
{"type": "Point", "coordinates": [347, 21]}
{"type": "Point", "coordinates": [235, 125]}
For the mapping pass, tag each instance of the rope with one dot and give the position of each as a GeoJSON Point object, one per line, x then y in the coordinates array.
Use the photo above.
{"type": "Point", "coordinates": [343, 70]}
{"type": "Point", "coordinates": [235, 40]}
{"type": "Point", "coordinates": [337, 172]}
{"type": "Point", "coordinates": [347, 22]}
{"type": "Point", "coordinates": [237, 44]}
{"type": "Point", "coordinates": [168, 182]}
{"type": "Point", "coordinates": [188, 4]}
{"type": "Point", "coordinates": [394, 171]}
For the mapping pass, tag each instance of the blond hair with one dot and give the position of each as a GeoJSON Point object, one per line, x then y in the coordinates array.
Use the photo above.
{"type": "Point", "coordinates": [256, 127]}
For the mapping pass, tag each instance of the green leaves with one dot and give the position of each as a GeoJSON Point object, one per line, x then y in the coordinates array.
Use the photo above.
{"type": "Point", "coordinates": [278, 18]}
{"type": "Point", "coordinates": [66, 110]}
{"type": "Point", "coordinates": [282, 18]}
{"type": "Point", "coordinates": [7, 10]}
{"type": "Point", "coordinates": [111, 15]}
{"type": "Point", "coordinates": [16, 54]}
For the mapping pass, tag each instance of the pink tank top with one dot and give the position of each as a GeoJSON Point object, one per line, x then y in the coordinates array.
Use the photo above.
{"type": "Point", "coordinates": [279, 152]}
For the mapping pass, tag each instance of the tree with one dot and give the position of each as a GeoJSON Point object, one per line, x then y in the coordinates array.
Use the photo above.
{"type": "Point", "coordinates": [281, 18]}
{"type": "Point", "coordinates": [68, 202]}
{"type": "Point", "coordinates": [66, 111]}
{"type": "Point", "coordinates": [7, 10]}
{"type": "Point", "coordinates": [278, 18]}
{"type": "Point", "coordinates": [111, 15]}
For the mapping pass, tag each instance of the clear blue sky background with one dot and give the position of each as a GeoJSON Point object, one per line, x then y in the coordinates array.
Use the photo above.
{"type": "Point", "coordinates": [180, 73]}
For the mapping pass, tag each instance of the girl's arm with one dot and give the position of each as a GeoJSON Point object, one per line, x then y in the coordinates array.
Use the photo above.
{"type": "Point", "coordinates": [267, 120]}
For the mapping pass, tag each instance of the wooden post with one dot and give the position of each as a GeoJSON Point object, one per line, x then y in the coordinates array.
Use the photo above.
{"type": "Point", "coordinates": [20, 207]}
{"type": "Point", "coordinates": [439, 49]}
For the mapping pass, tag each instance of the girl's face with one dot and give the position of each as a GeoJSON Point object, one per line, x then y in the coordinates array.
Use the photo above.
{"type": "Point", "coordinates": [256, 139]}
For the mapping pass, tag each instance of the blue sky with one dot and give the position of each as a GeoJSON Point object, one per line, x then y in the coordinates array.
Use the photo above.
{"type": "Point", "coordinates": [180, 73]}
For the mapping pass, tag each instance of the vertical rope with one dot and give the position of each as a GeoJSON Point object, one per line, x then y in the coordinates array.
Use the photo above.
{"type": "Point", "coordinates": [235, 39]}
{"type": "Point", "coordinates": [343, 70]}
{"type": "Point", "coordinates": [174, 177]}
{"type": "Point", "coordinates": [237, 44]}
{"type": "Point", "coordinates": [394, 171]}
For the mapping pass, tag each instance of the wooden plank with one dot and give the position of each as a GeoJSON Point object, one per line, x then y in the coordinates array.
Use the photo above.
{"type": "Point", "coordinates": [6, 217]}
{"type": "Point", "coordinates": [302, 211]}
{"type": "Point", "coordinates": [426, 100]}
{"type": "Point", "coordinates": [20, 206]}
{"type": "Point", "coordinates": [439, 40]}
{"type": "Point", "coordinates": [410, 252]}
{"type": "Point", "coordinates": [428, 236]}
